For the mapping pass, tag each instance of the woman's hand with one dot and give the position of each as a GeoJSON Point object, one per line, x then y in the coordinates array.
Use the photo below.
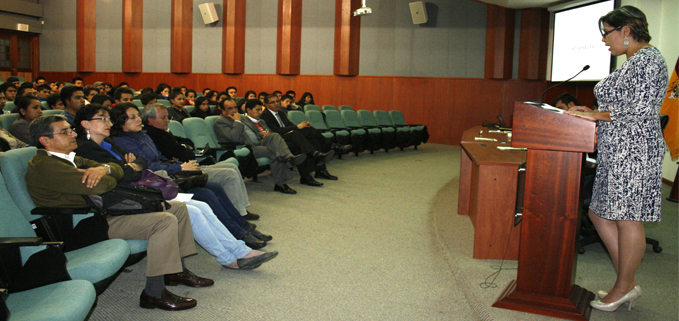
{"type": "Point", "coordinates": [190, 166]}
{"type": "Point", "coordinates": [129, 158]}
{"type": "Point", "coordinates": [582, 109]}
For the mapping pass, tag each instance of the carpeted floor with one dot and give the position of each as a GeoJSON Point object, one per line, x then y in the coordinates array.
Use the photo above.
{"type": "Point", "coordinates": [382, 243]}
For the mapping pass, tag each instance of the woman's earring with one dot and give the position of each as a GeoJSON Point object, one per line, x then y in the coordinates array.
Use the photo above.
{"type": "Point", "coordinates": [88, 133]}
{"type": "Point", "coordinates": [626, 42]}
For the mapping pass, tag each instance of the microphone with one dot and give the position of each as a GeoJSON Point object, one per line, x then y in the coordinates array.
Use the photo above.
{"type": "Point", "coordinates": [561, 83]}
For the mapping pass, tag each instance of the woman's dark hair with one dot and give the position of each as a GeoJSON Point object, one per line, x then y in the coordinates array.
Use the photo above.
{"type": "Point", "coordinates": [212, 93]}
{"type": "Point", "coordinates": [631, 17]}
{"type": "Point", "coordinates": [304, 96]}
{"type": "Point", "coordinates": [118, 116]}
{"type": "Point", "coordinates": [123, 84]}
{"type": "Point", "coordinates": [247, 93]}
{"type": "Point", "coordinates": [241, 105]}
{"type": "Point", "coordinates": [101, 98]}
{"type": "Point", "coordinates": [191, 91]}
{"type": "Point", "coordinates": [147, 90]}
{"type": "Point", "coordinates": [162, 87]}
{"type": "Point", "coordinates": [86, 113]}
{"type": "Point", "coordinates": [199, 101]}
{"type": "Point", "coordinates": [22, 102]}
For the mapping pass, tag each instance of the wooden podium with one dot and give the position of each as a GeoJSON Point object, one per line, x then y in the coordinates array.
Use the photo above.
{"type": "Point", "coordinates": [547, 258]}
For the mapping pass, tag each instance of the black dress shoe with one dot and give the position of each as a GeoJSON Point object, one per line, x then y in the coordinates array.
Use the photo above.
{"type": "Point", "coordinates": [252, 242]}
{"type": "Point", "coordinates": [251, 216]}
{"type": "Point", "coordinates": [323, 158]}
{"type": "Point", "coordinates": [187, 278]}
{"type": "Point", "coordinates": [310, 181]}
{"type": "Point", "coordinates": [284, 189]}
{"type": "Point", "coordinates": [166, 301]}
{"type": "Point", "coordinates": [342, 149]}
{"type": "Point", "coordinates": [259, 235]}
{"type": "Point", "coordinates": [324, 174]}
{"type": "Point", "coordinates": [253, 224]}
{"type": "Point", "coordinates": [254, 262]}
{"type": "Point", "coordinates": [295, 160]}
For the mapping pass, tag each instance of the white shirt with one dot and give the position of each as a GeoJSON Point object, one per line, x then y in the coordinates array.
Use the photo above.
{"type": "Point", "coordinates": [69, 157]}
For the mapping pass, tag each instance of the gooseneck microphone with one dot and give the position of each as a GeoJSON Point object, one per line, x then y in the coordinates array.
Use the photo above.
{"type": "Point", "coordinates": [561, 83]}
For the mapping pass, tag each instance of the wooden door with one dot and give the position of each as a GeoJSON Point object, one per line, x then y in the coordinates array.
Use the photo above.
{"type": "Point", "coordinates": [19, 55]}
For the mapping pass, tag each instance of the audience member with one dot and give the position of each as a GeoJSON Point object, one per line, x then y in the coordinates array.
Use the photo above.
{"type": "Point", "coordinates": [29, 109]}
{"type": "Point", "coordinates": [307, 99]}
{"type": "Point", "coordinates": [9, 90]}
{"type": "Point", "coordinates": [177, 111]}
{"type": "Point", "coordinates": [278, 93]}
{"type": "Point", "coordinates": [26, 89]}
{"type": "Point", "coordinates": [89, 92]}
{"type": "Point", "coordinates": [148, 98]}
{"type": "Point", "coordinates": [40, 80]}
{"type": "Point", "coordinates": [232, 92]}
{"type": "Point", "coordinates": [202, 108]}
{"type": "Point", "coordinates": [77, 82]}
{"type": "Point", "coordinates": [212, 97]}
{"type": "Point", "coordinates": [54, 88]}
{"type": "Point", "coordinates": [73, 99]}
{"type": "Point", "coordinates": [123, 95]}
{"type": "Point", "coordinates": [13, 80]}
{"type": "Point", "coordinates": [190, 98]}
{"type": "Point", "coordinates": [104, 100]}
{"type": "Point", "coordinates": [54, 101]}
{"type": "Point", "coordinates": [288, 103]}
{"type": "Point", "coordinates": [262, 97]}
{"type": "Point", "coordinates": [43, 92]}
{"type": "Point", "coordinates": [163, 91]}
{"type": "Point", "coordinates": [565, 101]}
{"type": "Point", "coordinates": [292, 94]}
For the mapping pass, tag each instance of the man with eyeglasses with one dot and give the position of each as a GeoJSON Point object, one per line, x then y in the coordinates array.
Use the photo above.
{"type": "Point", "coordinates": [73, 98]}
{"type": "Point", "coordinates": [57, 178]}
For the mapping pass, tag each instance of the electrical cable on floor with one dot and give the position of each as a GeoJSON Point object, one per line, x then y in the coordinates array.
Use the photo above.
{"type": "Point", "coordinates": [485, 284]}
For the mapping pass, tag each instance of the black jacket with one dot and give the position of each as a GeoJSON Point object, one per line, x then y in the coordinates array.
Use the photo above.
{"type": "Point", "coordinates": [170, 145]}
{"type": "Point", "coordinates": [271, 120]}
{"type": "Point", "coordinates": [93, 151]}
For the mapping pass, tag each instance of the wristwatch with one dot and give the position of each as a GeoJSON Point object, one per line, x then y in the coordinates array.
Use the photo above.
{"type": "Point", "coordinates": [109, 167]}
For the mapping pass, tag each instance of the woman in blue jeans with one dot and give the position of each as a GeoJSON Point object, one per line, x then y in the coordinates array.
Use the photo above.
{"type": "Point", "coordinates": [93, 125]}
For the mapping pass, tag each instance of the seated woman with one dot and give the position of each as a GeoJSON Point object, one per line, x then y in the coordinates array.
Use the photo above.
{"type": "Point", "coordinates": [29, 109]}
{"type": "Point", "coordinates": [202, 108]}
{"type": "Point", "coordinates": [128, 134]}
{"type": "Point", "coordinates": [307, 99]}
{"type": "Point", "coordinates": [190, 98]}
{"type": "Point", "coordinates": [212, 97]}
{"type": "Point", "coordinates": [163, 91]}
{"type": "Point", "coordinates": [93, 125]}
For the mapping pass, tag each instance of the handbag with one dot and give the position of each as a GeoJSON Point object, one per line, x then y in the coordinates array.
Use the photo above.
{"type": "Point", "coordinates": [128, 199]}
{"type": "Point", "coordinates": [149, 179]}
{"type": "Point", "coordinates": [189, 179]}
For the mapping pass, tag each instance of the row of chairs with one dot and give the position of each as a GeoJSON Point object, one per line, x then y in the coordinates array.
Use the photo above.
{"type": "Point", "coordinates": [91, 268]}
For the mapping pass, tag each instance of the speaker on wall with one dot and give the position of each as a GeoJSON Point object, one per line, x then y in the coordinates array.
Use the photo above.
{"type": "Point", "coordinates": [418, 12]}
{"type": "Point", "coordinates": [209, 13]}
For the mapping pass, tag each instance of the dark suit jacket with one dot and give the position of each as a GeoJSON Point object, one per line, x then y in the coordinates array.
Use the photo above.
{"type": "Point", "coordinates": [170, 145]}
{"type": "Point", "coordinates": [271, 120]}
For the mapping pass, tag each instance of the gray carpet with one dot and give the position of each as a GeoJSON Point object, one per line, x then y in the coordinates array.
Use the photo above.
{"type": "Point", "coordinates": [382, 243]}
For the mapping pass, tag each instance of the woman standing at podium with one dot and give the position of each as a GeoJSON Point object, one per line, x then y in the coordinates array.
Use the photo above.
{"type": "Point", "coordinates": [630, 149]}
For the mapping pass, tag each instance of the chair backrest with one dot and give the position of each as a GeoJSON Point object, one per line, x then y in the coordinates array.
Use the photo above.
{"type": "Point", "coordinates": [45, 105]}
{"type": "Point", "coordinates": [397, 118]}
{"type": "Point", "coordinates": [197, 131]}
{"type": "Point", "coordinates": [366, 117]}
{"type": "Point", "coordinates": [9, 106]}
{"type": "Point", "coordinates": [14, 164]}
{"type": "Point", "coordinates": [311, 107]}
{"type": "Point", "coordinates": [296, 117]}
{"type": "Point", "coordinates": [329, 107]}
{"type": "Point", "coordinates": [165, 102]}
{"type": "Point", "coordinates": [14, 223]}
{"type": "Point", "coordinates": [211, 120]}
{"type": "Point", "coordinates": [138, 102]}
{"type": "Point", "coordinates": [350, 119]}
{"type": "Point", "coordinates": [52, 112]}
{"type": "Point", "coordinates": [345, 107]}
{"type": "Point", "coordinates": [316, 119]}
{"type": "Point", "coordinates": [382, 118]}
{"type": "Point", "coordinates": [334, 120]}
{"type": "Point", "coordinates": [189, 109]}
{"type": "Point", "coordinates": [8, 120]}
{"type": "Point", "coordinates": [176, 128]}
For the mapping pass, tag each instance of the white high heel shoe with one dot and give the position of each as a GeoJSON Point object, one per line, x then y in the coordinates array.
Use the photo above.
{"type": "Point", "coordinates": [601, 294]}
{"type": "Point", "coordinates": [631, 296]}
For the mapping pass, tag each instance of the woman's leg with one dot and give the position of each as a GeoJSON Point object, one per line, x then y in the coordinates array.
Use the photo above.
{"type": "Point", "coordinates": [228, 176]}
{"type": "Point", "coordinates": [632, 245]}
{"type": "Point", "coordinates": [204, 235]}
{"type": "Point", "coordinates": [608, 232]}
{"type": "Point", "coordinates": [227, 206]}
{"type": "Point", "coordinates": [206, 195]}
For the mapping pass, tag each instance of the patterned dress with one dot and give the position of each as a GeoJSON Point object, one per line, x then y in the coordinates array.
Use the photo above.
{"type": "Point", "coordinates": [631, 146]}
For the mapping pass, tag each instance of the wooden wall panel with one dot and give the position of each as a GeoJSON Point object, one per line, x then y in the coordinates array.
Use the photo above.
{"type": "Point", "coordinates": [323, 88]}
{"type": "Point", "coordinates": [233, 37]}
{"type": "Point", "coordinates": [181, 36]}
{"type": "Point", "coordinates": [499, 42]}
{"type": "Point", "coordinates": [533, 44]}
{"type": "Point", "coordinates": [289, 39]}
{"type": "Point", "coordinates": [86, 35]}
{"type": "Point", "coordinates": [374, 93]}
{"type": "Point", "coordinates": [347, 38]}
{"type": "Point", "coordinates": [266, 83]}
{"type": "Point", "coordinates": [133, 25]}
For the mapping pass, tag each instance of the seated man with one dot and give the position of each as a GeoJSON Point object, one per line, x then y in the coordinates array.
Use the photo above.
{"type": "Point", "coordinates": [57, 178]}
{"type": "Point", "coordinates": [177, 111]}
{"type": "Point", "coordinates": [123, 95]}
{"type": "Point", "coordinates": [9, 90]}
{"type": "Point", "coordinates": [73, 98]}
{"type": "Point", "coordinates": [565, 101]}
{"type": "Point", "coordinates": [301, 137]}
{"type": "Point", "coordinates": [44, 91]}
{"type": "Point", "coordinates": [231, 128]}
{"type": "Point", "coordinates": [148, 98]}
{"type": "Point", "coordinates": [54, 101]}
{"type": "Point", "coordinates": [155, 118]}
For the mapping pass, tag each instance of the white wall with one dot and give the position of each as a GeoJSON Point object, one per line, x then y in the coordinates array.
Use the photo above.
{"type": "Point", "coordinates": [156, 35]}
{"type": "Point", "coordinates": [57, 41]}
{"type": "Point", "coordinates": [261, 27]}
{"type": "Point", "coordinates": [207, 40]}
{"type": "Point", "coordinates": [109, 36]}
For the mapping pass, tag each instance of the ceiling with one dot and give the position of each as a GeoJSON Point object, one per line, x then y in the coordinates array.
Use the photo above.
{"type": "Point", "coordinates": [523, 4]}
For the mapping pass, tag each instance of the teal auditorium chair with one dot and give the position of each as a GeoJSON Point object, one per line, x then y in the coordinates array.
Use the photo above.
{"type": "Point", "coordinates": [402, 134]}
{"type": "Point", "coordinates": [358, 136]}
{"type": "Point", "coordinates": [345, 107]}
{"type": "Point", "coordinates": [98, 263]}
{"type": "Point", "coordinates": [189, 109]}
{"type": "Point", "coordinates": [176, 128]}
{"type": "Point", "coordinates": [45, 105]}
{"type": "Point", "coordinates": [328, 107]}
{"type": "Point", "coordinates": [9, 106]}
{"type": "Point", "coordinates": [52, 112]}
{"type": "Point", "coordinates": [165, 102]}
{"type": "Point", "coordinates": [416, 131]}
{"type": "Point", "coordinates": [311, 107]}
{"type": "Point", "coordinates": [8, 119]}
{"type": "Point", "coordinates": [66, 300]}
{"type": "Point", "coordinates": [198, 132]}
{"type": "Point", "coordinates": [373, 139]}
{"type": "Point", "coordinates": [138, 102]}
{"type": "Point", "coordinates": [388, 133]}
{"type": "Point", "coordinates": [297, 117]}
{"type": "Point", "coordinates": [341, 137]}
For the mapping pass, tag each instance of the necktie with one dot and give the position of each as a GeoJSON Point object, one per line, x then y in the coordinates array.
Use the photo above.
{"type": "Point", "coordinates": [280, 122]}
{"type": "Point", "coordinates": [261, 129]}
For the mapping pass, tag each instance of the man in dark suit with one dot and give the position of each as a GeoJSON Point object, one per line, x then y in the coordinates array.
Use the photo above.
{"type": "Point", "coordinates": [300, 137]}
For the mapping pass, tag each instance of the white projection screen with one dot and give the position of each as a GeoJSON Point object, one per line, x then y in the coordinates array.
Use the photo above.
{"type": "Point", "coordinates": [576, 41]}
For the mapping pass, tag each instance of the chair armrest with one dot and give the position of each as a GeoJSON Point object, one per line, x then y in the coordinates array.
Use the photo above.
{"type": "Point", "coordinates": [60, 211]}
{"type": "Point", "coordinates": [411, 125]}
{"type": "Point", "coordinates": [19, 241]}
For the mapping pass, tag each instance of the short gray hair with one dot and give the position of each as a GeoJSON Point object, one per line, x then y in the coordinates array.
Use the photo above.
{"type": "Point", "coordinates": [151, 111]}
{"type": "Point", "coordinates": [42, 126]}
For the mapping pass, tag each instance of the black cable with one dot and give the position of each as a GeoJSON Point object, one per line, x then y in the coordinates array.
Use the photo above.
{"type": "Point", "coordinates": [485, 284]}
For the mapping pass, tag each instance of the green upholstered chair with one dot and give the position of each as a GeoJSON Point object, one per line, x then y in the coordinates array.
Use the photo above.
{"type": "Point", "coordinates": [8, 119]}
{"type": "Point", "coordinates": [373, 139]}
{"type": "Point", "coordinates": [138, 102]}
{"type": "Point", "coordinates": [358, 136]}
{"type": "Point", "coordinates": [311, 107]}
{"type": "Point", "coordinates": [189, 109]}
{"type": "Point", "coordinates": [296, 117]}
{"type": "Point", "coordinates": [367, 118]}
{"type": "Point", "coordinates": [198, 131]}
{"type": "Point", "coordinates": [402, 137]}
{"type": "Point", "coordinates": [63, 301]}
{"type": "Point", "coordinates": [176, 128]}
{"type": "Point", "coordinates": [328, 107]}
{"type": "Point", "coordinates": [45, 105]}
{"type": "Point", "coordinates": [341, 137]}
{"type": "Point", "coordinates": [98, 263]}
{"type": "Point", "coordinates": [416, 131]}
{"type": "Point", "coordinates": [9, 106]}
{"type": "Point", "coordinates": [165, 102]}
{"type": "Point", "coordinates": [345, 107]}
{"type": "Point", "coordinates": [52, 112]}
